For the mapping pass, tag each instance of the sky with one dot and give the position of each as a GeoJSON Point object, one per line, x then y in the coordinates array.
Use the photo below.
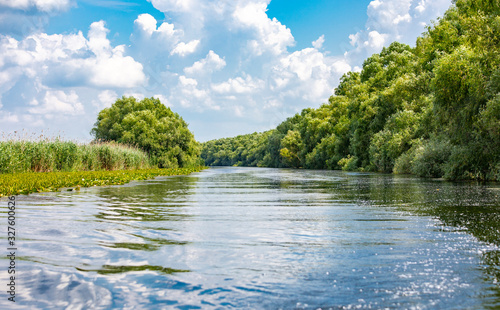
{"type": "Point", "coordinates": [228, 67]}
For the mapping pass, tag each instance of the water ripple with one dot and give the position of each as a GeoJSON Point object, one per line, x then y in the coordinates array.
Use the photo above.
{"type": "Point", "coordinates": [247, 238]}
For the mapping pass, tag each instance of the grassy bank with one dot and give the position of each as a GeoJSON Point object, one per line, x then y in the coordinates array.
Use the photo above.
{"type": "Point", "coordinates": [30, 182]}
{"type": "Point", "coordinates": [20, 156]}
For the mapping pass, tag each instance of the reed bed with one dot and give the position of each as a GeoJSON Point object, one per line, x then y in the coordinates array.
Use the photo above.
{"type": "Point", "coordinates": [30, 182]}
{"type": "Point", "coordinates": [31, 164]}
{"type": "Point", "coordinates": [20, 156]}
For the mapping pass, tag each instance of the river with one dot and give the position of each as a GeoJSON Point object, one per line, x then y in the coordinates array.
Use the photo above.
{"type": "Point", "coordinates": [259, 238]}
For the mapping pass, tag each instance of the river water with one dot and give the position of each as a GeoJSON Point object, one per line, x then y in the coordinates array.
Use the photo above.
{"type": "Point", "coordinates": [259, 238]}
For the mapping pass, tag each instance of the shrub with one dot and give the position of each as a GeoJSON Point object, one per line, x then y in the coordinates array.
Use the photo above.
{"type": "Point", "coordinates": [431, 158]}
{"type": "Point", "coordinates": [349, 163]}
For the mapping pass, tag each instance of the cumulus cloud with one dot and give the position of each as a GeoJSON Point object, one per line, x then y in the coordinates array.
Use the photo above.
{"type": "Point", "coordinates": [393, 20]}
{"type": "Point", "coordinates": [182, 49]}
{"type": "Point", "coordinates": [308, 74]}
{"type": "Point", "coordinates": [43, 75]}
{"type": "Point", "coordinates": [162, 99]}
{"type": "Point", "coordinates": [222, 58]}
{"type": "Point", "coordinates": [41, 5]}
{"type": "Point", "coordinates": [376, 40]}
{"type": "Point", "coordinates": [239, 85]}
{"type": "Point", "coordinates": [211, 63]}
{"type": "Point", "coordinates": [385, 14]}
{"type": "Point", "coordinates": [9, 118]}
{"type": "Point", "coordinates": [59, 103]}
{"type": "Point", "coordinates": [175, 5]}
{"type": "Point", "coordinates": [22, 17]}
{"type": "Point", "coordinates": [270, 34]}
{"type": "Point", "coordinates": [279, 84]}
{"type": "Point", "coordinates": [147, 24]}
{"type": "Point", "coordinates": [71, 60]}
{"type": "Point", "coordinates": [150, 39]}
{"type": "Point", "coordinates": [318, 44]}
{"type": "Point", "coordinates": [188, 94]}
{"type": "Point", "coordinates": [105, 99]}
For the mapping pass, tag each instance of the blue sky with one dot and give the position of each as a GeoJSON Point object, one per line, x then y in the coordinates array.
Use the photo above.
{"type": "Point", "coordinates": [228, 67]}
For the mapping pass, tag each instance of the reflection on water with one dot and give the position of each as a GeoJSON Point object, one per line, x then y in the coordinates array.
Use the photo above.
{"type": "Point", "coordinates": [109, 269]}
{"type": "Point", "coordinates": [249, 238]}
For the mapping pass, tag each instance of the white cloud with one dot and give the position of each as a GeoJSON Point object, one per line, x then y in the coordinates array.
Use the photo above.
{"type": "Point", "coordinates": [182, 49]}
{"type": "Point", "coordinates": [147, 24]}
{"type": "Point", "coordinates": [175, 5]}
{"type": "Point", "coordinates": [163, 99]}
{"type": "Point", "coordinates": [318, 44]}
{"type": "Point", "coordinates": [280, 80]}
{"type": "Point", "coordinates": [239, 85]}
{"type": "Point", "coordinates": [420, 8]}
{"type": "Point", "coordinates": [116, 71]}
{"type": "Point", "coordinates": [354, 38]}
{"type": "Point", "coordinates": [149, 38]}
{"type": "Point", "coordinates": [105, 99]}
{"type": "Point", "coordinates": [393, 20]}
{"type": "Point", "coordinates": [189, 95]}
{"type": "Point", "coordinates": [375, 4]}
{"type": "Point", "coordinates": [19, 18]}
{"type": "Point", "coordinates": [71, 60]}
{"type": "Point", "coordinates": [209, 64]}
{"type": "Point", "coordinates": [9, 118]}
{"type": "Point", "coordinates": [224, 57]}
{"type": "Point", "coordinates": [308, 74]}
{"type": "Point", "coordinates": [98, 42]}
{"type": "Point", "coordinates": [41, 5]}
{"type": "Point", "coordinates": [402, 18]}
{"type": "Point", "coordinates": [43, 76]}
{"type": "Point", "coordinates": [60, 103]}
{"type": "Point", "coordinates": [270, 34]}
{"type": "Point", "coordinates": [187, 81]}
{"type": "Point", "coordinates": [239, 110]}
{"type": "Point", "coordinates": [384, 14]}
{"type": "Point", "coordinates": [376, 40]}
{"type": "Point", "coordinates": [137, 95]}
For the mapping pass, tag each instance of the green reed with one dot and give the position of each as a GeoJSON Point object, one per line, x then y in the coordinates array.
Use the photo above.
{"type": "Point", "coordinates": [17, 156]}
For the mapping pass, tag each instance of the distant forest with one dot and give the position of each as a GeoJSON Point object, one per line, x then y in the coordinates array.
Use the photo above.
{"type": "Point", "coordinates": [432, 110]}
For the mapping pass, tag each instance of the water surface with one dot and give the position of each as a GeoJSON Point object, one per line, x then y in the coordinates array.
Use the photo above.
{"type": "Point", "coordinates": [258, 238]}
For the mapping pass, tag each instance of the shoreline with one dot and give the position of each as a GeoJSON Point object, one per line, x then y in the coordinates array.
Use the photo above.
{"type": "Point", "coordinates": [36, 182]}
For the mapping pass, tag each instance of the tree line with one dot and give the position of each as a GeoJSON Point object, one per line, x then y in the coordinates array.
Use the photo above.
{"type": "Point", "coordinates": [432, 110]}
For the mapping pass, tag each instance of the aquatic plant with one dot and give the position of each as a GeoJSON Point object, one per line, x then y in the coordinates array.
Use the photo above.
{"type": "Point", "coordinates": [30, 182]}
{"type": "Point", "coordinates": [46, 155]}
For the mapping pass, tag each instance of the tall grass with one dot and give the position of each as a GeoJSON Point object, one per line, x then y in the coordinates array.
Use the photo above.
{"type": "Point", "coordinates": [47, 155]}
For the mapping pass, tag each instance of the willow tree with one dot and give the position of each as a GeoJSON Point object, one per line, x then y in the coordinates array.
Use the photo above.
{"type": "Point", "coordinates": [151, 126]}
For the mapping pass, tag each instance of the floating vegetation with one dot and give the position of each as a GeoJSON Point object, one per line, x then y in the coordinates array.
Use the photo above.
{"type": "Point", "coordinates": [110, 269]}
{"type": "Point", "coordinates": [31, 182]}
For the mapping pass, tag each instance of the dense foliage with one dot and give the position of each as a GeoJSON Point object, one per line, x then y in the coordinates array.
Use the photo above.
{"type": "Point", "coordinates": [17, 156]}
{"type": "Point", "coordinates": [151, 126]}
{"type": "Point", "coordinates": [432, 110]}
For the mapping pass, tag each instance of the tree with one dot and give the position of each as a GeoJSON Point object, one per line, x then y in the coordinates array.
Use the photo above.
{"type": "Point", "coordinates": [291, 147]}
{"type": "Point", "coordinates": [432, 110]}
{"type": "Point", "coordinates": [151, 126]}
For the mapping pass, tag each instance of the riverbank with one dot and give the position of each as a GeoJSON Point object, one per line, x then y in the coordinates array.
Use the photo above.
{"type": "Point", "coordinates": [32, 182]}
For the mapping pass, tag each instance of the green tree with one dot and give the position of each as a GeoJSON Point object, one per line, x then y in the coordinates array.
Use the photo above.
{"type": "Point", "coordinates": [291, 147]}
{"type": "Point", "coordinates": [151, 126]}
{"type": "Point", "coordinates": [432, 110]}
